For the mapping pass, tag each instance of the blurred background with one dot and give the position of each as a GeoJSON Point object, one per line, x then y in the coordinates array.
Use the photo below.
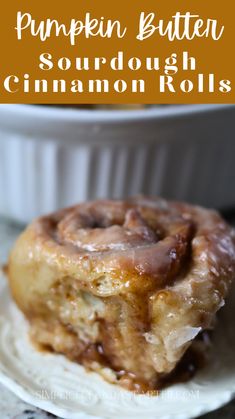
{"type": "Point", "coordinates": [56, 156]}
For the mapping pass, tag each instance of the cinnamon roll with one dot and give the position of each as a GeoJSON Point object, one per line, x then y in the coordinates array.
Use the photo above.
{"type": "Point", "coordinates": [123, 287]}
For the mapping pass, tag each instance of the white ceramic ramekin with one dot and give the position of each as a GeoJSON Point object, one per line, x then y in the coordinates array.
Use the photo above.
{"type": "Point", "coordinates": [53, 157]}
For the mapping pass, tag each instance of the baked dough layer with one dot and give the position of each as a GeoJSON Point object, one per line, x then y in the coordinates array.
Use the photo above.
{"type": "Point", "coordinates": [123, 287]}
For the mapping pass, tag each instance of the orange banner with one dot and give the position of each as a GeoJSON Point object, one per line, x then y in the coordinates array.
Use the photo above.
{"type": "Point", "coordinates": [117, 52]}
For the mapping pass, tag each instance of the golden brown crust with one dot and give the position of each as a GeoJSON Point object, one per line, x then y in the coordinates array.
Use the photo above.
{"type": "Point", "coordinates": [130, 283]}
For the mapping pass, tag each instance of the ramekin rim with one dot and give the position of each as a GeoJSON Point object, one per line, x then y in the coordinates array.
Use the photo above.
{"type": "Point", "coordinates": [114, 115]}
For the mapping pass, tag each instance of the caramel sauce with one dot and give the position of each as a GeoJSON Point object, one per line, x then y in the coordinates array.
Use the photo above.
{"type": "Point", "coordinates": [4, 268]}
{"type": "Point", "coordinates": [193, 360]}
{"type": "Point", "coordinates": [42, 347]}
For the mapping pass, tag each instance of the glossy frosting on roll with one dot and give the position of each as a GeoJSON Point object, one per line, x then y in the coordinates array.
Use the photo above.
{"type": "Point", "coordinates": [123, 286]}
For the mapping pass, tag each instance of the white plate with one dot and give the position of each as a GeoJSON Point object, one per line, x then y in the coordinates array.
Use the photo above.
{"type": "Point", "coordinates": [59, 386]}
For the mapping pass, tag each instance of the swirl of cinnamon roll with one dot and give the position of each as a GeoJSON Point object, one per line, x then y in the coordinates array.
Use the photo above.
{"type": "Point", "coordinates": [124, 284]}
